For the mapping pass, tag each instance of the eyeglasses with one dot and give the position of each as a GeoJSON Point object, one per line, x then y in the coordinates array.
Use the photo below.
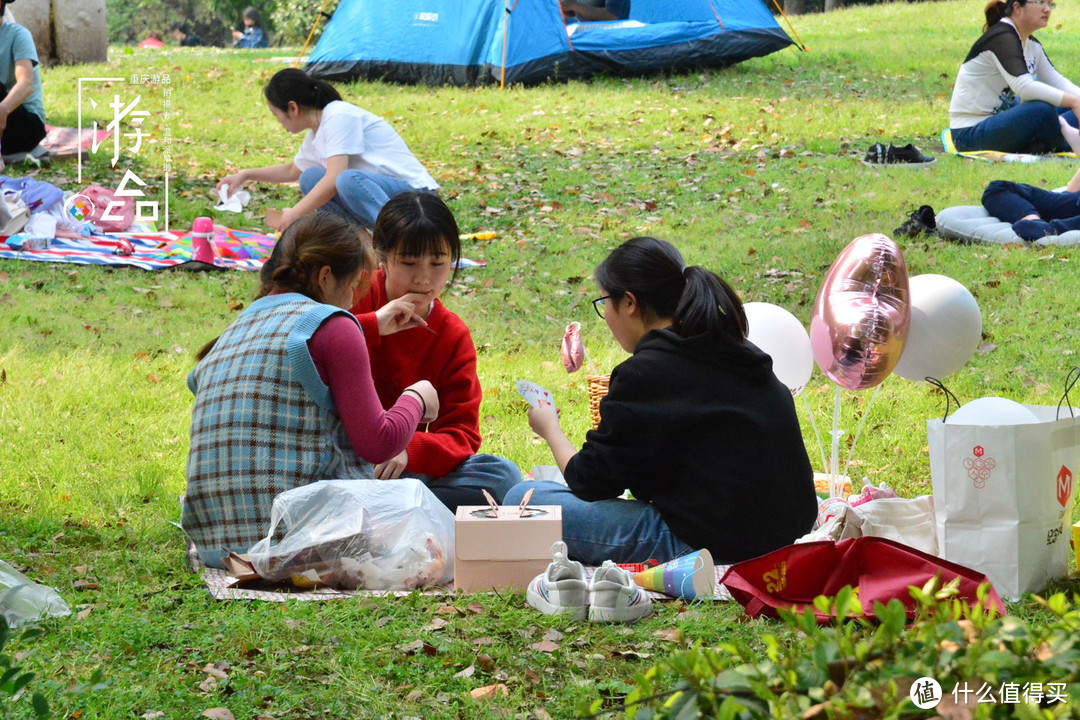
{"type": "Point", "coordinates": [1043, 3]}
{"type": "Point", "coordinates": [598, 305]}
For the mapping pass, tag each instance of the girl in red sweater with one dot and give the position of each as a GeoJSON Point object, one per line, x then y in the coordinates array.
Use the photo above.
{"type": "Point", "coordinates": [417, 243]}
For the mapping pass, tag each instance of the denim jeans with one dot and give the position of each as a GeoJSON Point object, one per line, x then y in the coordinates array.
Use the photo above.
{"type": "Point", "coordinates": [619, 530]}
{"type": "Point", "coordinates": [360, 195]}
{"type": "Point", "coordinates": [463, 484]}
{"type": "Point", "coordinates": [1028, 127]}
{"type": "Point", "coordinates": [1010, 201]}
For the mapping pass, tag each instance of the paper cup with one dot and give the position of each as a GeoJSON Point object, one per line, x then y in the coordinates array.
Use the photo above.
{"type": "Point", "coordinates": [689, 577]}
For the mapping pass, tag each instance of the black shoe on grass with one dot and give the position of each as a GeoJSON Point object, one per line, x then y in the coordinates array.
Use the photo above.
{"type": "Point", "coordinates": [908, 154]}
{"type": "Point", "coordinates": [921, 222]}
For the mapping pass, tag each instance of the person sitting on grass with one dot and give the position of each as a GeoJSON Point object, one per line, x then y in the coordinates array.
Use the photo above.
{"type": "Point", "coordinates": [417, 244]}
{"type": "Point", "coordinates": [285, 398]}
{"type": "Point", "coordinates": [1008, 95]}
{"type": "Point", "coordinates": [252, 35]}
{"type": "Point", "coordinates": [350, 162]}
{"type": "Point", "coordinates": [182, 34]}
{"type": "Point", "coordinates": [22, 110]}
{"type": "Point", "coordinates": [695, 424]}
{"type": "Point", "coordinates": [1034, 212]}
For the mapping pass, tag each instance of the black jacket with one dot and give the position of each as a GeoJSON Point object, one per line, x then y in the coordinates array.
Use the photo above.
{"type": "Point", "coordinates": [705, 432]}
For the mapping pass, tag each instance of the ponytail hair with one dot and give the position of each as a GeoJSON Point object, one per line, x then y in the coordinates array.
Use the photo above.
{"type": "Point", "coordinates": [305, 248]}
{"type": "Point", "coordinates": [696, 300]}
{"type": "Point", "coordinates": [295, 85]}
{"type": "Point", "coordinates": [995, 10]}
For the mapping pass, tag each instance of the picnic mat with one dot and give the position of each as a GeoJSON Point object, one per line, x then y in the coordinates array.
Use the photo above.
{"type": "Point", "coordinates": [63, 142]}
{"type": "Point", "coordinates": [222, 586]}
{"type": "Point", "coordinates": [237, 250]}
{"type": "Point", "coordinates": [998, 156]}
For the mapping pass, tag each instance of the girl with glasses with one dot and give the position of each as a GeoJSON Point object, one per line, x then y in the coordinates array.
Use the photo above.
{"type": "Point", "coordinates": [1008, 95]}
{"type": "Point", "coordinates": [695, 425]}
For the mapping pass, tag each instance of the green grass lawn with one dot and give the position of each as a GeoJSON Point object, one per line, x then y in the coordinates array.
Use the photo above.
{"type": "Point", "coordinates": [752, 171]}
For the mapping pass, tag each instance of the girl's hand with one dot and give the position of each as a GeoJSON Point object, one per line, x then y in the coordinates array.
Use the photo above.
{"type": "Point", "coordinates": [431, 399]}
{"type": "Point", "coordinates": [234, 181]}
{"type": "Point", "coordinates": [544, 420]}
{"type": "Point", "coordinates": [392, 468]}
{"type": "Point", "coordinates": [400, 314]}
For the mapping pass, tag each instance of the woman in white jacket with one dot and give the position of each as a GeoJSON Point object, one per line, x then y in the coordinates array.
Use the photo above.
{"type": "Point", "coordinates": [1008, 95]}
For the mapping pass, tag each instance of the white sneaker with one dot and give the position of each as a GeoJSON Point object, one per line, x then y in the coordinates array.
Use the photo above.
{"type": "Point", "coordinates": [561, 588]}
{"type": "Point", "coordinates": [614, 597]}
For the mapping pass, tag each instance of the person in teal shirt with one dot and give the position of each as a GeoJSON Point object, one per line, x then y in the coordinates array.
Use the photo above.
{"type": "Point", "coordinates": [22, 111]}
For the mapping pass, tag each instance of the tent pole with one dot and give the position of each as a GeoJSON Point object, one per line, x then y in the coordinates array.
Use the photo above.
{"type": "Point", "coordinates": [318, 18]}
{"type": "Point", "coordinates": [802, 46]}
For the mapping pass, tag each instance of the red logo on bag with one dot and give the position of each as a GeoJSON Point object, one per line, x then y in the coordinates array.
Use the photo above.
{"type": "Point", "coordinates": [978, 467]}
{"type": "Point", "coordinates": [1064, 485]}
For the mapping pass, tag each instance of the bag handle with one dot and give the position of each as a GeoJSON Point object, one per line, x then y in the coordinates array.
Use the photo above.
{"type": "Point", "coordinates": [948, 394]}
{"type": "Point", "coordinates": [1070, 381]}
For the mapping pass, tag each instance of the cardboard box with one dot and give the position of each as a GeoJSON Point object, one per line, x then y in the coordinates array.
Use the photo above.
{"type": "Point", "coordinates": [501, 546]}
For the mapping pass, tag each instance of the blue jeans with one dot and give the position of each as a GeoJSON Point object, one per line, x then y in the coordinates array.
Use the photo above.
{"type": "Point", "coordinates": [360, 195]}
{"type": "Point", "coordinates": [1028, 127]}
{"type": "Point", "coordinates": [1010, 201]}
{"type": "Point", "coordinates": [619, 530]}
{"type": "Point", "coordinates": [462, 485]}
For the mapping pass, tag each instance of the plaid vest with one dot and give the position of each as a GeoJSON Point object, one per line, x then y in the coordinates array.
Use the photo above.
{"type": "Point", "coordinates": [264, 422]}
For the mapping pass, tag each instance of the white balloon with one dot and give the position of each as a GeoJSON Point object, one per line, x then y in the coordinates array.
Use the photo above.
{"type": "Point", "coordinates": [992, 411]}
{"type": "Point", "coordinates": [945, 329]}
{"type": "Point", "coordinates": [784, 339]}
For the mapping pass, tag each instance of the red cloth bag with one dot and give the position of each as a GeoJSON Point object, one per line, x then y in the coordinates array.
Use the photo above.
{"type": "Point", "coordinates": [879, 569]}
{"type": "Point", "coordinates": [100, 198]}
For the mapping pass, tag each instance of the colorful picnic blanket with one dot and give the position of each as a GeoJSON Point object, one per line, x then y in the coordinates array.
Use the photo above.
{"type": "Point", "coordinates": [237, 250]}
{"type": "Point", "coordinates": [997, 155]}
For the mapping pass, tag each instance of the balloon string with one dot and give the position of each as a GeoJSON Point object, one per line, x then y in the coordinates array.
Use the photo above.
{"type": "Point", "coordinates": [813, 424]}
{"type": "Point", "coordinates": [834, 461]}
{"type": "Point", "coordinates": [851, 450]}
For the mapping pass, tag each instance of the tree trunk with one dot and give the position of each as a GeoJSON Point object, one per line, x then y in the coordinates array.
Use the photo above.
{"type": "Point", "coordinates": [65, 31]}
{"type": "Point", "coordinates": [794, 7]}
{"type": "Point", "coordinates": [832, 5]}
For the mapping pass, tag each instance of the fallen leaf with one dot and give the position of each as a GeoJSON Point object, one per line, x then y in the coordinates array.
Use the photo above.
{"type": "Point", "coordinates": [539, 713]}
{"type": "Point", "coordinates": [475, 607]}
{"type": "Point", "coordinates": [483, 641]}
{"type": "Point", "coordinates": [84, 613]}
{"type": "Point", "coordinates": [545, 646]}
{"type": "Point", "coordinates": [152, 715]}
{"type": "Point", "coordinates": [467, 672]}
{"type": "Point", "coordinates": [630, 653]}
{"type": "Point", "coordinates": [669, 634]}
{"type": "Point", "coordinates": [436, 625]}
{"type": "Point", "coordinates": [218, 713]}
{"type": "Point", "coordinates": [84, 585]}
{"type": "Point", "coordinates": [489, 692]}
{"type": "Point", "coordinates": [383, 621]}
{"type": "Point", "coordinates": [415, 696]}
{"type": "Point", "coordinates": [532, 677]}
{"type": "Point", "coordinates": [987, 348]}
{"type": "Point", "coordinates": [208, 685]}
{"type": "Point", "coordinates": [215, 672]}
{"type": "Point", "coordinates": [81, 569]}
{"type": "Point", "coordinates": [486, 663]}
{"type": "Point", "coordinates": [412, 648]}
{"type": "Point", "coordinates": [553, 635]}
{"type": "Point", "coordinates": [448, 610]}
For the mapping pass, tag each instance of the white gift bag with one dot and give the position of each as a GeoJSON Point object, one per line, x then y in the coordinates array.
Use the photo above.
{"type": "Point", "coordinates": [1003, 496]}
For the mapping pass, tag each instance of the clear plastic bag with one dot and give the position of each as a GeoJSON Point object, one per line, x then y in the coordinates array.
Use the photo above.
{"type": "Point", "coordinates": [23, 601]}
{"type": "Point", "coordinates": [370, 534]}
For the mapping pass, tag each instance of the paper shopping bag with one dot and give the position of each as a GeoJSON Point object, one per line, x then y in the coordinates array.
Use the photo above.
{"type": "Point", "coordinates": [1003, 496]}
{"type": "Point", "coordinates": [878, 569]}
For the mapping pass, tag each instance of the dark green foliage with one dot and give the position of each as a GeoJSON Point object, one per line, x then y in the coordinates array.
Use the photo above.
{"type": "Point", "coordinates": [858, 668]}
{"type": "Point", "coordinates": [13, 678]}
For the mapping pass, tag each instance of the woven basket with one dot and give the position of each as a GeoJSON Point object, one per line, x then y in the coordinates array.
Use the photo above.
{"type": "Point", "coordinates": [597, 389]}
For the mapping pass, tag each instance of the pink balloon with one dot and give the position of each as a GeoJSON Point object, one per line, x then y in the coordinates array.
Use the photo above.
{"type": "Point", "coordinates": [862, 313]}
{"type": "Point", "coordinates": [573, 351]}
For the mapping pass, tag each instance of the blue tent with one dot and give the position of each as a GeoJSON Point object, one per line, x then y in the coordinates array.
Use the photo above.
{"type": "Point", "coordinates": [474, 42]}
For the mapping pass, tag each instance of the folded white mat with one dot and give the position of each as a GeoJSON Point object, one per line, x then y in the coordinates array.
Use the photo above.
{"type": "Point", "coordinates": [971, 223]}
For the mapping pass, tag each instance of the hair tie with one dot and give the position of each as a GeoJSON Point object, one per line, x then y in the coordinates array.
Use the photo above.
{"type": "Point", "coordinates": [685, 269]}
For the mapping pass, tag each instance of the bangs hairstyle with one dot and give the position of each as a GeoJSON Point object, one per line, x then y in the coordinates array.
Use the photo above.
{"type": "Point", "coordinates": [416, 223]}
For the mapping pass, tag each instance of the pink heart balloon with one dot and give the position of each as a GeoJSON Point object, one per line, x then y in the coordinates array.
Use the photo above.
{"type": "Point", "coordinates": [862, 313]}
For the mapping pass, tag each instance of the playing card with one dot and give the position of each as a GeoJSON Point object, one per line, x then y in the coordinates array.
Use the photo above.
{"type": "Point", "coordinates": [534, 394]}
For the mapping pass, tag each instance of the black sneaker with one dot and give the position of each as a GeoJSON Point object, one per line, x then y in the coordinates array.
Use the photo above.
{"type": "Point", "coordinates": [922, 221]}
{"type": "Point", "coordinates": [908, 154]}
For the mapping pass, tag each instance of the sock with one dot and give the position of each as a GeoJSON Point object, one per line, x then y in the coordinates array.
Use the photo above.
{"type": "Point", "coordinates": [1033, 229]}
{"type": "Point", "coordinates": [1063, 226]}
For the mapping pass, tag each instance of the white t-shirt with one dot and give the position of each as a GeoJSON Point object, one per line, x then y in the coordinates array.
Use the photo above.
{"type": "Point", "coordinates": [369, 141]}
